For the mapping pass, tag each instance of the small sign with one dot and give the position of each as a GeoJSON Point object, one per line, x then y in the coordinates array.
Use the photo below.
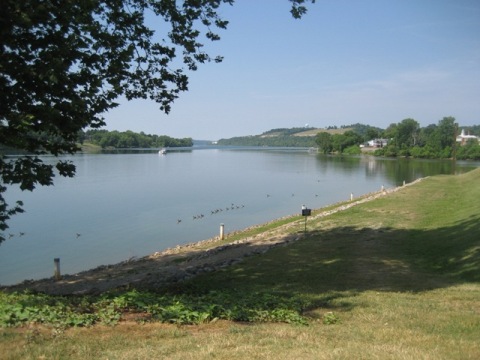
{"type": "Point", "coordinates": [306, 212]}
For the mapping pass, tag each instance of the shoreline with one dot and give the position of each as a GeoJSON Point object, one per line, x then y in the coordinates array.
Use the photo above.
{"type": "Point", "coordinates": [182, 262]}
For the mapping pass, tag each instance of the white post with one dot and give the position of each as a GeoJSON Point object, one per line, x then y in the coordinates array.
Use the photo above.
{"type": "Point", "coordinates": [222, 234]}
{"type": "Point", "coordinates": [56, 273]}
{"type": "Point", "coordinates": [351, 196]}
{"type": "Point", "coordinates": [403, 182]}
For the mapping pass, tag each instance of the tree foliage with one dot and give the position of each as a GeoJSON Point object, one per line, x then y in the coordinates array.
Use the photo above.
{"type": "Point", "coordinates": [324, 142]}
{"type": "Point", "coordinates": [471, 151]}
{"type": "Point", "coordinates": [472, 130]}
{"type": "Point", "coordinates": [407, 133]}
{"type": "Point", "coordinates": [338, 143]}
{"type": "Point", "coordinates": [406, 138]}
{"type": "Point", "coordinates": [130, 139]}
{"type": "Point", "coordinates": [368, 132]}
{"type": "Point", "coordinates": [63, 64]}
{"type": "Point", "coordinates": [435, 141]}
{"type": "Point", "coordinates": [347, 139]}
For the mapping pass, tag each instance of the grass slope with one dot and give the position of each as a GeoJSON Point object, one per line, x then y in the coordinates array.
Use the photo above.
{"type": "Point", "coordinates": [395, 278]}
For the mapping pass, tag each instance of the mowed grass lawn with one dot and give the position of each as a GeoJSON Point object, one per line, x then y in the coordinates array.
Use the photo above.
{"type": "Point", "coordinates": [394, 278]}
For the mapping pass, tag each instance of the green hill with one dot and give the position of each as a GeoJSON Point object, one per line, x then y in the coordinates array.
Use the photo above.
{"type": "Point", "coordinates": [292, 137]}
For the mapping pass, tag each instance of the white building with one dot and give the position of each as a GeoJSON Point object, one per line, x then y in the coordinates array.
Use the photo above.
{"type": "Point", "coordinates": [463, 138]}
{"type": "Point", "coordinates": [378, 143]}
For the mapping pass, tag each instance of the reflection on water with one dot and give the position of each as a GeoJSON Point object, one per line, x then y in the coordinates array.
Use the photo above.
{"type": "Point", "coordinates": [133, 203]}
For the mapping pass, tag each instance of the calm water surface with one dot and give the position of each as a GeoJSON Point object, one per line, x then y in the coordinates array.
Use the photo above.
{"type": "Point", "coordinates": [133, 204]}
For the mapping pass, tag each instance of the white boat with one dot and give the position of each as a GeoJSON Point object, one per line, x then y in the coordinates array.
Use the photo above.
{"type": "Point", "coordinates": [162, 151]}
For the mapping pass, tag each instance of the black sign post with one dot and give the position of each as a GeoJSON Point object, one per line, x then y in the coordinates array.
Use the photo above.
{"type": "Point", "coordinates": [306, 212]}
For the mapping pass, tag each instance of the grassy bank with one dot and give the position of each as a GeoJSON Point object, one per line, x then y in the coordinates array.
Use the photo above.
{"type": "Point", "coordinates": [90, 148]}
{"type": "Point", "coordinates": [394, 278]}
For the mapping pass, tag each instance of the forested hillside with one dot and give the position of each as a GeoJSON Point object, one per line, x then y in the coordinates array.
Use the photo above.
{"type": "Point", "coordinates": [274, 137]}
{"type": "Point", "coordinates": [274, 140]}
{"type": "Point", "coordinates": [299, 136]}
{"type": "Point", "coordinates": [406, 138]}
{"type": "Point", "coordinates": [130, 139]}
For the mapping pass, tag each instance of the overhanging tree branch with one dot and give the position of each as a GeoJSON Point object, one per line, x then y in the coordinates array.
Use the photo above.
{"type": "Point", "coordinates": [63, 64]}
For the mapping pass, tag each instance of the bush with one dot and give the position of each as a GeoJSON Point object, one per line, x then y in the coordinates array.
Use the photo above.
{"type": "Point", "coordinates": [352, 150]}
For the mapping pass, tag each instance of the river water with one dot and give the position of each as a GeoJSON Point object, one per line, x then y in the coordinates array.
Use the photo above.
{"type": "Point", "coordinates": [127, 204]}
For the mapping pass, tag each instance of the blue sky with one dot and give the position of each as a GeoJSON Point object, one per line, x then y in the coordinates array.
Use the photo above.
{"type": "Point", "coordinates": [374, 62]}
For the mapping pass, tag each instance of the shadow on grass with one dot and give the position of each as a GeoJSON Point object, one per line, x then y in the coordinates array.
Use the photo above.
{"type": "Point", "coordinates": [328, 265]}
{"type": "Point", "coordinates": [324, 269]}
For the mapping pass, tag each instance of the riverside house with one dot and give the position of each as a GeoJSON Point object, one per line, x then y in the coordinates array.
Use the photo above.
{"type": "Point", "coordinates": [378, 143]}
{"type": "Point", "coordinates": [464, 138]}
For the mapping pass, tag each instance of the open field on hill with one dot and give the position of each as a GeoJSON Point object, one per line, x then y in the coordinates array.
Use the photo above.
{"type": "Point", "coordinates": [397, 277]}
{"type": "Point", "coordinates": [314, 132]}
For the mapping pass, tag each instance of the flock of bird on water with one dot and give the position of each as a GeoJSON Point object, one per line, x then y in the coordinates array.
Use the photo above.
{"type": "Point", "coordinates": [216, 211]}
{"type": "Point", "coordinates": [194, 217]}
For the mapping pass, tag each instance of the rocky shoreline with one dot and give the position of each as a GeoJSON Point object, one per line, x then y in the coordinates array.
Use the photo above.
{"type": "Point", "coordinates": [180, 263]}
{"type": "Point", "coordinates": [161, 268]}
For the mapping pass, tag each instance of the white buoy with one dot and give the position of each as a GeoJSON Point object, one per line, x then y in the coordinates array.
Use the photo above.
{"type": "Point", "coordinates": [222, 234]}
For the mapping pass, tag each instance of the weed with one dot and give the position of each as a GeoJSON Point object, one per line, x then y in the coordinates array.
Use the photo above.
{"type": "Point", "coordinates": [329, 318]}
{"type": "Point", "coordinates": [176, 309]}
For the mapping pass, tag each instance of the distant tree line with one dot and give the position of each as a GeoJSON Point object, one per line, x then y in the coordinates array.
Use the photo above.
{"type": "Point", "coordinates": [406, 138]}
{"type": "Point", "coordinates": [130, 139]}
{"type": "Point", "coordinates": [270, 140]}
